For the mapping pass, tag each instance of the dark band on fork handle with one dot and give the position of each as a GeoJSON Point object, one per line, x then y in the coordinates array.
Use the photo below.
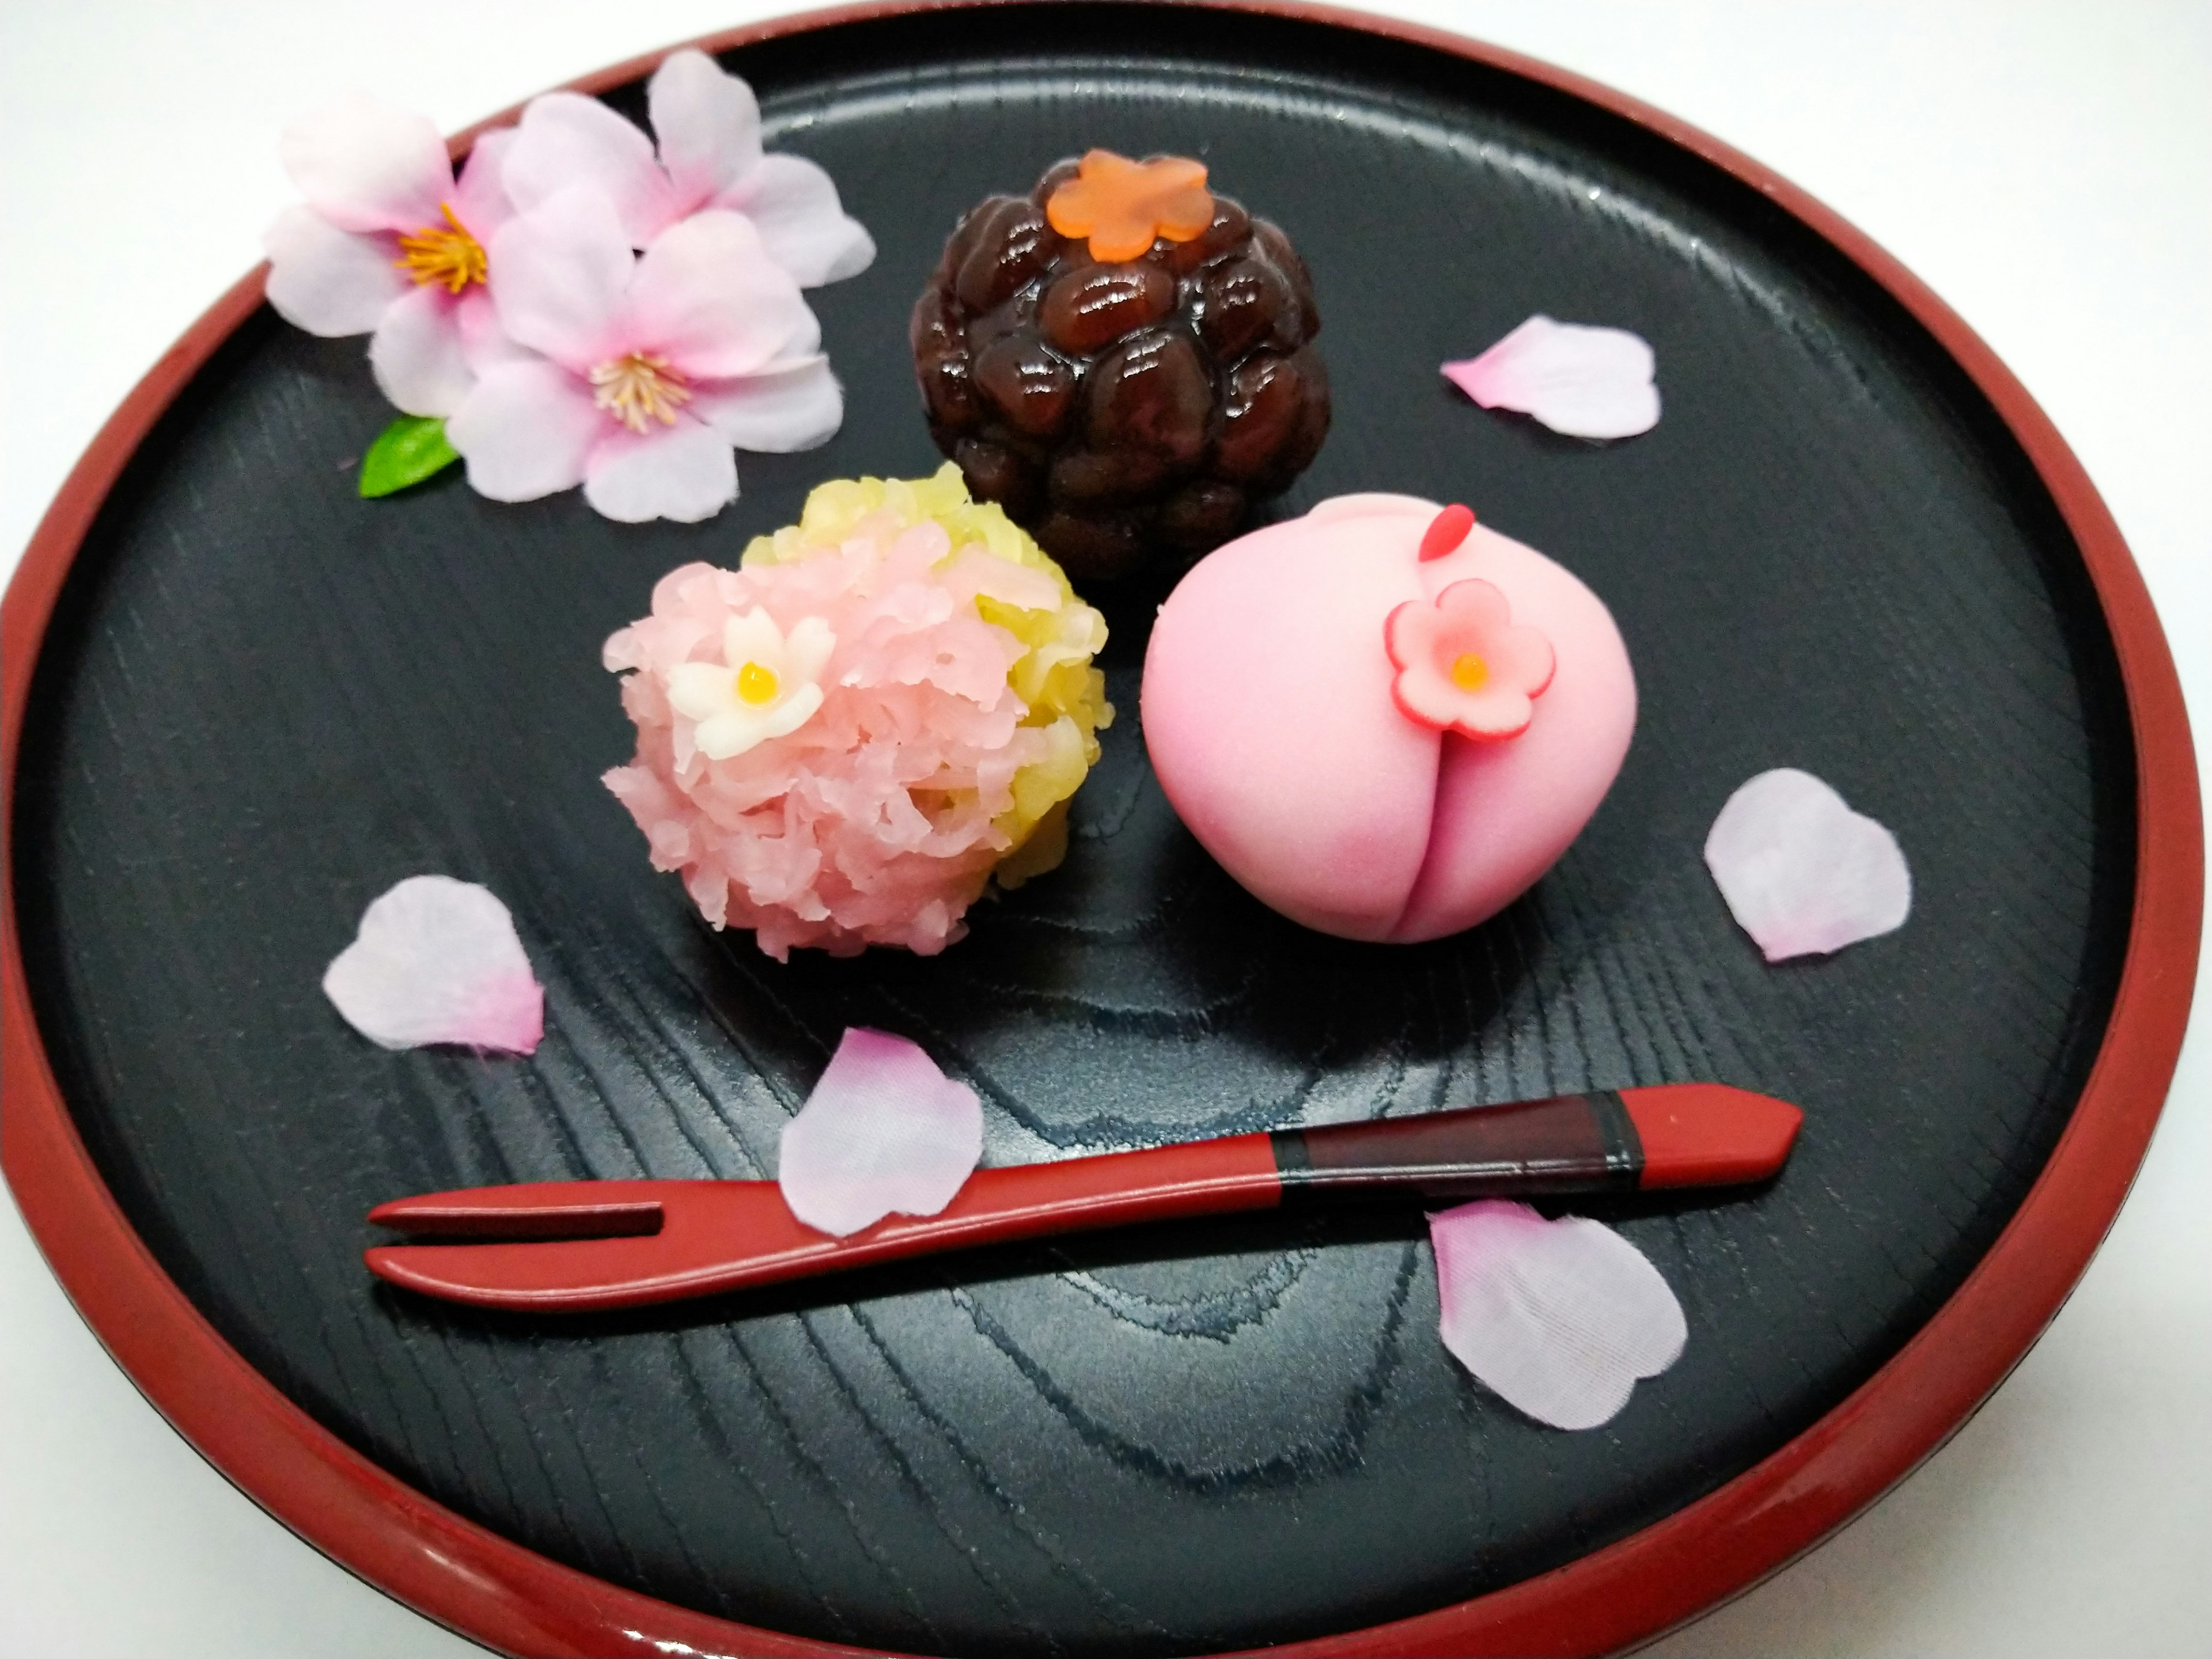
{"type": "Point", "coordinates": [1568, 1143]}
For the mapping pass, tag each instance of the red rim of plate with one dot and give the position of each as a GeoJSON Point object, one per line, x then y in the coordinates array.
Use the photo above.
{"type": "Point", "coordinates": [486, 1586]}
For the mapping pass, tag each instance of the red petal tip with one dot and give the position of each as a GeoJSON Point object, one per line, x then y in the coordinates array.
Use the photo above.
{"type": "Point", "coordinates": [1446, 531]}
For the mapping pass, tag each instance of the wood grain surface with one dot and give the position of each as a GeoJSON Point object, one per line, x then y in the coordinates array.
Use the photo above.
{"type": "Point", "coordinates": [264, 701]}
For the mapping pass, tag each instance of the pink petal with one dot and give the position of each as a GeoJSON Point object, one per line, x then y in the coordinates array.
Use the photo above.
{"type": "Point", "coordinates": [1424, 694]}
{"type": "Point", "coordinates": [1560, 1317]}
{"type": "Point", "coordinates": [327, 280]}
{"type": "Point", "coordinates": [1801, 872]}
{"type": "Point", "coordinates": [707, 296]}
{"type": "Point", "coordinates": [1477, 605]}
{"type": "Point", "coordinates": [684, 472]}
{"type": "Point", "coordinates": [559, 274]}
{"type": "Point", "coordinates": [437, 961]}
{"type": "Point", "coordinates": [883, 1130]}
{"type": "Point", "coordinates": [365, 165]}
{"type": "Point", "coordinates": [480, 200]}
{"type": "Point", "coordinates": [1524, 657]}
{"type": "Point", "coordinates": [1586, 382]}
{"type": "Point", "coordinates": [1499, 710]}
{"type": "Point", "coordinates": [567, 141]}
{"type": "Point", "coordinates": [707, 123]}
{"type": "Point", "coordinates": [786, 407]}
{"type": "Point", "coordinates": [484, 344]}
{"type": "Point", "coordinates": [1410, 631]}
{"type": "Point", "coordinates": [417, 354]}
{"type": "Point", "coordinates": [808, 232]}
{"type": "Point", "coordinates": [525, 431]}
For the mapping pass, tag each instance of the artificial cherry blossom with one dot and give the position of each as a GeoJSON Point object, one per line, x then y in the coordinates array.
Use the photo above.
{"type": "Point", "coordinates": [389, 243]}
{"type": "Point", "coordinates": [710, 156]}
{"type": "Point", "coordinates": [650, 369]}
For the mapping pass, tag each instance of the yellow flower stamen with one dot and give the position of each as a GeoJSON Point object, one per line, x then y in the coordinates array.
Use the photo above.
{"type": "Point", "coordinates": [443, 253]}
{"type": "Point", "coordinates": [1468, 671]}
{"type": "Point", "coordinates": [756, 684]}
{"type": "Point", "coordinates": [639, 389]}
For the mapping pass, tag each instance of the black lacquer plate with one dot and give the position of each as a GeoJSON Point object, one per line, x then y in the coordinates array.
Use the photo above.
{"type": "Point", "coordinates": [264, 701]}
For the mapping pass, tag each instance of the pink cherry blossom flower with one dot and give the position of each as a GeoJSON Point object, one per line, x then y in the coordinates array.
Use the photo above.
{"type": "Point", "coordinates": [650, 368]}
{"type": "Point", "coordinates": [709, 155]}
{"type": "Point", "coordinates": [1464, 665]}
{"type": "Point", "coordinates": [389, 243]}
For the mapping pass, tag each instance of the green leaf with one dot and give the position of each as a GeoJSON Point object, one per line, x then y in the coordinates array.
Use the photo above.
{"type": "Point", "coordinates": [405, 453]}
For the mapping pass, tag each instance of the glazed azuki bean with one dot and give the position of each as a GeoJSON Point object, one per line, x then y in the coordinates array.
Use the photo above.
{"type": "Point", "coordinates": [1093, 305]}
{"type": "Point", "coordinates": [1012, 246]}
{"type": "Point", "coordinates": [1025, 384]}
{"type": "Point", "coordinates": [1151, 396]}
{"type": "Point", "coordinates": [1243, 298]}
{"type": "Point", "coordinates": [1125, 413]}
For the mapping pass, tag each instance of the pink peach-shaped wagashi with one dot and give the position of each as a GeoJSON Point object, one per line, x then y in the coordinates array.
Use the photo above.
{"type": "Point", "coordinates": [1384, 719]}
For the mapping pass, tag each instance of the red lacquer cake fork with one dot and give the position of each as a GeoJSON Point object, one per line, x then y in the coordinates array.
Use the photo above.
{"type": "Point", "coordinates": [582, 1245]}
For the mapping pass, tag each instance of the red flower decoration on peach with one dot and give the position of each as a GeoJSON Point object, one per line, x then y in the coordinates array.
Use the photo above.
{"type": "Point", "coordinates": [1464, 665]}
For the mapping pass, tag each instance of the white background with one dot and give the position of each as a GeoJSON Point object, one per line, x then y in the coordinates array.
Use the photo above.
{"type": "Point", "coordinates": [2046, 168]}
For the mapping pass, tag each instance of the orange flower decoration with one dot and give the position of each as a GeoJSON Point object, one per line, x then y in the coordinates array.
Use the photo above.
{"type": "Point", "coordinates": [1122, 205]}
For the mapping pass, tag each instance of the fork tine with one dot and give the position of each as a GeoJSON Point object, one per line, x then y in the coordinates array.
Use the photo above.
{"type": "Point", "coordinates": [541, 1209]}
{"type": "Point", "coordinates": [564, 1275]}
{"type": "Point", "coordinates": [575, 1247]}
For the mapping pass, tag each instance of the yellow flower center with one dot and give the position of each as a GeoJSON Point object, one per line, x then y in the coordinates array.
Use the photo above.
{"type": "Point", "coordinates": [1469, 672]}
{"type": "Point", "coordinates": [639, 389]}
{"type": "Point", "coordinates": [443, 253]}
{"type": "Point", "coordinates": [756, 684]}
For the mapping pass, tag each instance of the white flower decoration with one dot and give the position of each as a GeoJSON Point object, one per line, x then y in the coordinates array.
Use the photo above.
{"type": "Point", "coordinates": [767, 686]}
